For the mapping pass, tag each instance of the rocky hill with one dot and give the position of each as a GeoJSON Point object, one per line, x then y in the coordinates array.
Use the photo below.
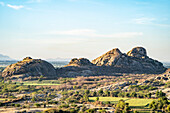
{"type": "Point", "coordinates": [136, 59]}
{"type": "Point", "coordinates": [108, 59]}
{"type": "Point", "coordinates": [30, 67]}
{"type": "Point", "coordinates": [112, 62]}
{"type": "Point", "coordinates": [79, 62]}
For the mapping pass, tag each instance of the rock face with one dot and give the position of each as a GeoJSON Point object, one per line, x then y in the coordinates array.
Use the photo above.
{"type": "Point", "coordinates": [114, 61]}
{"type": "Point", "coordinates": [138, 52]}
{"type": "Point", "coordinates": [108, 59]}
{"type": "Point", "coordinates": [79, 62]}
{"type": "Point", "coordinates": [136, 60]}
{"type": "Point", "coordinates": [30, 67]}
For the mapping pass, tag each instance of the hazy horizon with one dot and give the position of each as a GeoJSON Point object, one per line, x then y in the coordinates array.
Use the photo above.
{"type": "Point", "coordinates": [83, 28]}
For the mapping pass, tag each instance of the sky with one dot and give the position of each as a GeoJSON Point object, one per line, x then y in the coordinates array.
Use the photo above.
{"type": "Point", "coordinates": [83, 28]}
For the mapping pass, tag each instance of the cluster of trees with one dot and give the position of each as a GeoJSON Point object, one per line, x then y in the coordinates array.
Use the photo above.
{"type": "Point", "coordinates": [160, 94]}
{"type": "Point", "coordinates": [122, 107]}
{"type": "Point", "coordinates": [117, 93]}
{"type": "Point", "coordinates": [141, 88]}
{"type": "Point", "coordinates": [161, 104]}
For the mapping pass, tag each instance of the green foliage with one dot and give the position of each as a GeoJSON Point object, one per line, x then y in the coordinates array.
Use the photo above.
{"type": "Point", "coordinates": [86, 98]}
{"type": "Point", "coordinates": [161, 103]}
{"type": "Point", "coordinates": [83, 108]}
{"type": "Point", "coordinates": [90, 111]}
{"type": "Point", "coordinates": [17, 105]}
{"type": "Point", "coordinates": [87, 92]}
{"type": "Point", "coordinates": [168, 108]}
{"type": "Point", "coordinates": [100, 92]}
{"type": "Point", "coordinates": [33, 99]}
{"type": "Point", "coordinates": [141, 87]}
{"type": "Point", "coordinates": [160, 94]}
{"type": "Point", "coordinates": [131, 101]}
{"type": "Point", "coordinates": [102, 111]}
{"type": "Point", "coordinates": [97, 98]}
{"type": "Point", "coordinates": [37, 105]}
{"type": "Point", "coordinates": [122, 106]}
{"type": "Point", "coordinates": [135, 111]}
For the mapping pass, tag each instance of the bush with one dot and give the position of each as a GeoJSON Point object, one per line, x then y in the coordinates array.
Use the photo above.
{"type": "Point", "coordinates": [136, 111]}
{"type": "Point", "coordinates": [90, 111]}
{"type": "Point", "coordinates": [37, 105]}
{"type": "Point", "coordinates": [17, 105]}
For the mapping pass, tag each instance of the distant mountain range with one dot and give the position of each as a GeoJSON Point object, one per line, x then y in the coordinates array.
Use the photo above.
{"type": "Point", "coordinates": [5, 57]}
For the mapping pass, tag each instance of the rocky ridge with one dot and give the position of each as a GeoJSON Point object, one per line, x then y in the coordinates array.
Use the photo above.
{"type": "Point", "coordinates": [135, 59]}
{"type": "Point", "coordinates": [114, 61]}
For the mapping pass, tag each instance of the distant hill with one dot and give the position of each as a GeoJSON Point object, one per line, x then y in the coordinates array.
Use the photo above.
{"type": "Point", "coordinates": [4, 57]}
{"type": "Point", "coordinates": [166, 64]}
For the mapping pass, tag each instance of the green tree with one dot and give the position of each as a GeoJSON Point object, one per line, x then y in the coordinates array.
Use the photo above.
{"type": "Point", "coordinates": [107, 93]}
{"type": "Point", "coordinates": [90, 111]}
{"type": "Point", "coordinates": [94, 93]}
{"type": "Point", "coordinates": [87, 92]}
{"type": "Point", "coordinates": [135, 111]}
{"type": "Point", "coordinates": [37, 105]}
{"type": "Point", "coordinates": [86, 98]}
{"type": "Point", "coordinates": [100, 92]}
{"type": "Point", "coordinates": [122, 107]}
{"type": "Point", "coordinates": [97, 98]}
{"type": "Point", "coordinates": [83, 108]}
{"type": "Point", "coordinates": [17, 105]}
{"type": "Point", "coordinates": [33, 99]}
{"type": "Point", "coordinates": [160, 104]}
{"type": "Point", "coordinates": [168, 108]}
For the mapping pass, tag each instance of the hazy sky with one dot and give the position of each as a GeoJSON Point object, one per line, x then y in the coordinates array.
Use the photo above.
{"type": "Point", "coordinates": [83, 28]}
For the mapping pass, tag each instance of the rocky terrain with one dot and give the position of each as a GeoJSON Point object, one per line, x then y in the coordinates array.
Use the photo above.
{"type": "Point", "coordinates": [113, 62]}
{"type": "Point", "coordinates": [29, 67]}
{"type": "Point", "coordinates": [79, 62]}
{"type": "Point", "coordinates": [136, 59]}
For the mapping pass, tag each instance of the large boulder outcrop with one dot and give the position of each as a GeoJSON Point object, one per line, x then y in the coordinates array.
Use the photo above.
{"type": "Point", "coordinates": [30, 67]}
{"type": "Point", "coordinates": [113, 62]}
{"type": "Point", "coordinates": [138, 52]}
{"type": "Point", "coordinates": [79, 62]}
{"type": "Point", "coordinates": [136, 60]}
{"type": "Point", "coordinates": [109, 58]}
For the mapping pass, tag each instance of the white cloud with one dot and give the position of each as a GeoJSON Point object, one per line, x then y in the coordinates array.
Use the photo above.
{"type": "Point", "coordinates": [93, 33]}
{"type": "Point", "coordinates": [15, 6]}
{"type": "Point", "coordinates": [2, 3]}
{"type": "Point", "coordinates": [144, 20]}
{"type": "Point", "coordinates": [46, 41]}
{"type": "Point", "coordinates": [149, 21]}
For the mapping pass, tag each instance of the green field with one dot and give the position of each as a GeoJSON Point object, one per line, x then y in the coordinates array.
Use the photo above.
{"type": "Point", "coordinates": [40, 83]}
{"type": "Point", "coordinates": [132, 102]}
{"type": "Point", "coordinates": [2, 99]}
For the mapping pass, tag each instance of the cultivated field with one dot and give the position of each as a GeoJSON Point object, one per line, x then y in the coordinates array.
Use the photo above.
{"type": "Point", "coordinates": [132, 101]}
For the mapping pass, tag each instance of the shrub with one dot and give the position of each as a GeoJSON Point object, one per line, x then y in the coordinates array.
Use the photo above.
{"type": "Point", "coordinates": [17, 105]}
{"type": "Point", "coordinates": [37, 105]}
